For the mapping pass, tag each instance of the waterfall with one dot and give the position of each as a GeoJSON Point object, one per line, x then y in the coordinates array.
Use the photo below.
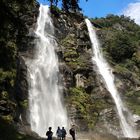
{"type": "Point", "coordinates": [45, 106]}
{"type": "Point", "coordinates": [126, 120]}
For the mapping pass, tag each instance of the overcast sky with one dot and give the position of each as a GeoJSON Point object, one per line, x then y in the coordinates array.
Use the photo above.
{"type": "Point", "coordinates": [101, 8]}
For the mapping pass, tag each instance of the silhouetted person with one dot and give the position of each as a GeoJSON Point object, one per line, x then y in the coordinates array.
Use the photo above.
{"type": "Point", "coordinates": [59, 133]}
{"type": "Point", "coordinates": [72, 133]}
{"type": "Point", "coordinates": [49, 133]}
{"type": "Point", "coordinates": [63, 133]}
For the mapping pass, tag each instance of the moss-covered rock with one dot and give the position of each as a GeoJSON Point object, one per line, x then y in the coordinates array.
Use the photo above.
{"type": "Point", "coordinates": [24, 104]}
{"type": "Point", "coordinates": [9, 131]}
{"type": "Point", "coordinates": [87, 108]}
{"type": "Point", "coordinates": [17, 17]}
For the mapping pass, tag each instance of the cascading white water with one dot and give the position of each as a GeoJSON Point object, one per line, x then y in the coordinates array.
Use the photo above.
{"type": "Point", "coordinates": [126, 122]}
{"type": "Point", "coordinates": [46, 108]}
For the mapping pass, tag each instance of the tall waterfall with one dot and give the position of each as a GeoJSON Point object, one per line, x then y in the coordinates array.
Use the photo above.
{"type": "Point", "coordinates": [45, 106]}
{"type": "Point", "coordinates": [126, 122]}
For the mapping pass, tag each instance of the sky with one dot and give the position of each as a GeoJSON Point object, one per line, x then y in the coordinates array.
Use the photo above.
{"type": "Point", "coordinates": [101, 8]}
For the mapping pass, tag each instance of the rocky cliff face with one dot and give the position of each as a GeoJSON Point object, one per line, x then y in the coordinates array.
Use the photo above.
{"type": "Point", "coordinates": [83, 92]}
{"type": "Point", "coordinates": [17, 17]}
{"type": "Point", "coordinates": [89, 105]}
{"type": "Point", "coordinates": [86, 97]}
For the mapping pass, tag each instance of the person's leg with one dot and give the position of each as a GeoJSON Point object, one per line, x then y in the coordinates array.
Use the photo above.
{"type": "Point", "coordinates": [73, 137]}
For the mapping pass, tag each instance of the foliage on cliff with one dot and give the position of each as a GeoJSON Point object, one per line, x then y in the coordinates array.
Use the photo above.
{"type": "Point", "coordinates": [13, 28]}
{"type": "Point", "coordinates": [120, 39]}
{"type": "Point", "coordinates": [67, 4]}
{"type": "Point", "coordinates": [9, 132]}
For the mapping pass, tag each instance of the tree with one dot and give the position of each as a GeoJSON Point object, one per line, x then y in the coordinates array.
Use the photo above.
{"type": "Point", "coordinates": [53, 2]}
{"type": "Point", "coordinates": [74, 5]}
{"type": "Point", "coordinates": [67, 4]}
{"type": "Point", "coordinates": [121, 47]}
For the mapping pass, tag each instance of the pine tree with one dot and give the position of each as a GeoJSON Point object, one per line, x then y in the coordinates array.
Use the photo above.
{"type": "Point", "coordinates": [67, 4]}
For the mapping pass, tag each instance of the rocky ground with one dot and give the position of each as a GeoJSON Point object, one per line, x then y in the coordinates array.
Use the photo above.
{"type": "Point", "coordinates": [97, 137]}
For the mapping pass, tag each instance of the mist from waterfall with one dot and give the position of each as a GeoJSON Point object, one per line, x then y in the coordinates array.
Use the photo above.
{"type": "Point", "coordinates": [45, 105]}
{"type": "Point", "coordinates": [126, 120]}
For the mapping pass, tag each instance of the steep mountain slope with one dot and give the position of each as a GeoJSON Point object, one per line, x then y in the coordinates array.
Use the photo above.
{"type": "Point", "coordinates": [16, 18]}
{"type": "Point", "coordinates": [89, 103]}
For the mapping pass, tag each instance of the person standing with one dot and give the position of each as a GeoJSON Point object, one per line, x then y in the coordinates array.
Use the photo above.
{"type": "Point", "coordinates": [64, 133]}
{"type": "Point", "coordinates": [49, 133]}
{"type": "Point", "coordinates": [72, 132]}
{"type": "Point", "coordinates": [59, 133]}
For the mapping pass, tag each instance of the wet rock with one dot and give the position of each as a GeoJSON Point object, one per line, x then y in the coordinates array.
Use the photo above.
{"type": "Point", "coordinates": [22, 84]}
{"type": "Point", "coordinates": [79, 80]}
{"type": "Point", "coordinates": [67, 75]}
{"type": "Point", "coordinates": [7, 107]}
{"type": "Point", "coordinates": [129, 139]}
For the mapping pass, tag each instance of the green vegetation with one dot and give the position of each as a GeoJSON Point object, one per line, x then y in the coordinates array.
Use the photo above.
{"type": "Point", "coordinates": [69, 39]}
{"type": "Point", "coordinates": [87, 107]}
{"type": "Point", "coordinates": [121, 42]}
{"type": "Point", "coordinates": [78, 63]}
{"type": "Point", "coordinates": [81, 100]}
{"type": "Point", "coordinates": [134, 101]}
{"type": "Point", "coordinates": [8, 132]}
{"type": "Point", "coordinates": [120, 47]}
{"type": "Point", "coordinates": [121, 70]}
{"type": "Point", "coordinates": [24, 104]}
{"type": "Point", "coordinates": [136, 58]}
{"type": "Point", "coordinates": [7, 118]}
{"type": "Point", "coordinates": [72, 57]}
{"type": "Point", "coordinates": [120, 36]}
{"type": "Point", "coordinates": [12, 30]}
{"type": "Point", "coordinates": [67, 4]}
